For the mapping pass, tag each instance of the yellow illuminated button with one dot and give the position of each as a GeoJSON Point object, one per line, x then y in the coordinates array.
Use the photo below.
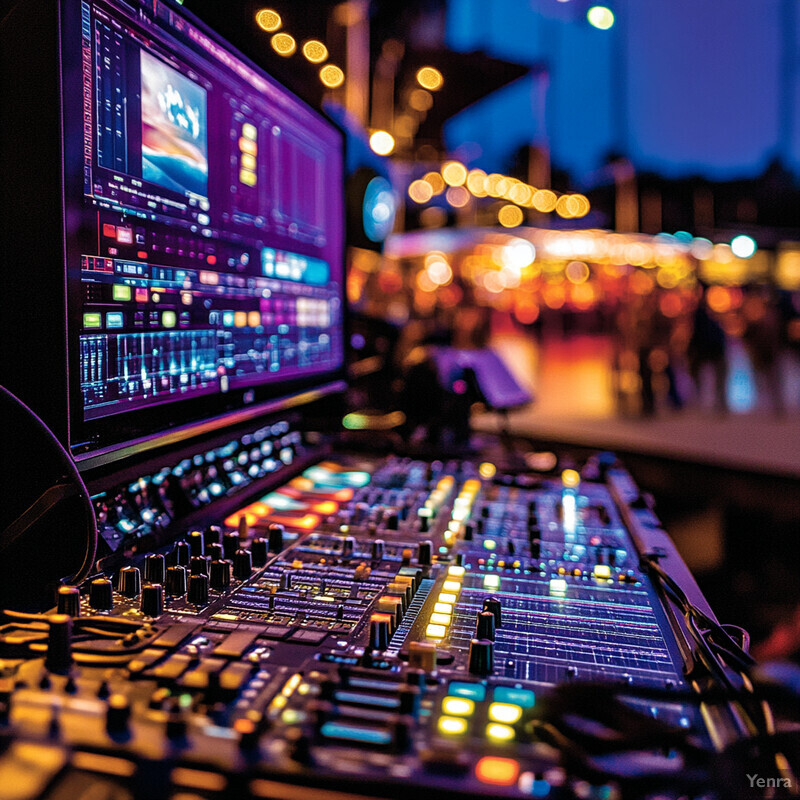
{"type": "Point", "coordinates": [456, 571]}
{"type": "Point", "coordinates": [571, 479]}
{"type": "Point", "coordinates": [451, 586]}
{"type": "Point", "coordinates": [491, 582]}
{"type": "Point", "coordinates": [436, 631]}
{"type": "Point", "coordinates": [499, 733]}
{"type": "Point", "coordinates": [458, 706]}
{"type": "Point", "coordinates": [505, 712]}
{"type": "Point", "coordinates": [452, 726]}
{"type": "Point", "coordinates": [447, 597]}
{"type": "Point", "coordinates": [558, 586]}
{"type": "Point", "coordinates": [443, 608]}
{"type": "Point", "coordinates": [487, 470]}
{"type": "Point", "coordinates": [441, 619]}
{"type": "Point", "coordinates": [602, 571]}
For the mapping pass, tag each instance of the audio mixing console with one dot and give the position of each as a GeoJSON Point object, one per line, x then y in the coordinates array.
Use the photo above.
{"type": "Point", "coordinates": [384, 627]}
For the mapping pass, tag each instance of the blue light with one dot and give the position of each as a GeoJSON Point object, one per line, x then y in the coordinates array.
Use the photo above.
{"type": "Point", "coordinates": [378, 209]}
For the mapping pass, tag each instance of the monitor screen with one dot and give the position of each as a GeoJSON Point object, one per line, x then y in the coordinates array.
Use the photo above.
{"type": "Point", "coordinates": [204, 226]}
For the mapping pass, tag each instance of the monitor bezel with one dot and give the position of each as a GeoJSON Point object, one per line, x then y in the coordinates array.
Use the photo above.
{"type": "Point", "coordinates": [117, 436]}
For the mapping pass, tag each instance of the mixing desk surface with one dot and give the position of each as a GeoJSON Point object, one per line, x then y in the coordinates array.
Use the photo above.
{"type": "Point", "coordinates": [376, 626]}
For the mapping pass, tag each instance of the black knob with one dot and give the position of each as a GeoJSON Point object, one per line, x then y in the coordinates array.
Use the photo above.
{"type": "Point", "coordinates": [220, 575]}
{"type": "Point", "coordinates": [230, 544]}
{"type": "Point", "coordinates": [118, 712]}
{"type": "Point", "coordinates": [197, 545]}
{"type": "Point", "coordinates": [286, 582]}
{"type": "Point", "coordinates": [198, 590]}
{"type": "Point", "coordinates": [215, 552]}
{"type": "Point", "coordinates": [485, 627]}
{"type": "Point", "coordinates": [242, 564]}
{"type": "Point", "coordinates": [493, 604]}
{"type": "Point", "coordinates": [536, 548]}
{"type": "Point", "coordinates": [130, 582]}
{"type": "Point", "coordinates": [348, 546]}
{"type": "Point", "coordinates": [59, 643]}
{"type": "Point", "coordinates": [481, 657]}
{"type": "Point", "coordinates": [425, 553]}
{"type": "Point", "coordinates": [155, 569]}
{"type": "Point", "coordinates": [213, 535]}
{"type": "Point", "coordinates": [101, 594]}
{"type": "Point", "coordinates": [259, 547]}
{"type": "Point", "coordinates": [69, 600]}
{"type": "Point", "coordinates": [176, 581]}
{"type": "Point", "coordinates": [181, 553]}
{"type": "Point", "coordinates": [469, 531]}
{"type": "Point", "coordinates": [392, 522]}
{"type": "Point", "coordinates": [409, 697]}
{"type": "Point", "coordinates": [424, 524]}
{"type": "Point", "coordinates": [379, 634]}
{"type": "Point", "coordinates": [377, 550]}
{"type": "Point", "coordinates": [152, 603]}
{"type": "Point", "coordinates": [275, 537]}
{"type": "Point", "coordinates": [198, 565]}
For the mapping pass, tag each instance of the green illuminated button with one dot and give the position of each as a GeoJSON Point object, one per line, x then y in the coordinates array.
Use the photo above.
{"type": "Point", "coordinates": [92, 320]}
{"type": "Point", "coordinates": [168, 319]}
{"type": "Point", "coordinates": [121, 292]}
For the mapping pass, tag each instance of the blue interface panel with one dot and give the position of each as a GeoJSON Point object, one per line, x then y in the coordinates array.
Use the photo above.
{"type": "Point", "coordinates": [206, 245]}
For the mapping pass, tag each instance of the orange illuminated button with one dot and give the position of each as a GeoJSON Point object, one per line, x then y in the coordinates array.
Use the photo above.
{"type": "Point", "coordinates": [497, 771]}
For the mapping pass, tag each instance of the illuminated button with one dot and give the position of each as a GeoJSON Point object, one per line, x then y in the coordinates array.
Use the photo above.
{"type": "Point", "coordinates": [489, 544]}
{"type": "Point", "coordinates": [524, 698]}
{"type": "Point", "coordinates": [441, 619]}
{"type": "Point", "coordinates": [458, 706]}
{"type": "Point", "coordinates": [473, 691]}
{"type": "Point", "coordinates": [452, 726]}
{"type": "Point", "coordinates": [456, 572]}
{"type": "Point", "coordinates": [121, 292]}
{"type": "Point", "coordinates": [505, 712]}
{"type": "Point", "coordinates": [602, 571]}
{"type": "Point", "coordinates": [491, 581]}
{"type": "Point", "coordinates": [487, 470]}
{"type": "Point", "coordinates": [497, 771]}
{"type": "Point", "coordinates": [499, 733]}
{"type": "Point", "coordinates": [92, 320]}
{"type": "Point", "coordinates": [435, 631]}
{"type": "Point", "coordinates": [443, 608]}
{"type": "Point", "coordinates": [447, 597]}
{"type": "Point", "coordinates": [558, 586]}
{"type": "Point", "coordinates": [571, 479]}
{"type": "Point", "coordinates": [451, 586]}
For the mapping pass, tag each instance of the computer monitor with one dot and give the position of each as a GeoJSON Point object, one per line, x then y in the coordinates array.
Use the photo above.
{"type": "Point", "coordinates": [204, 228]}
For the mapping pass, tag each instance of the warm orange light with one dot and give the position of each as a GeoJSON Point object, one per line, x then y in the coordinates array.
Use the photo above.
{"type": "Point", "coordinates": [436, 181]}
{"type": "Point", "coordinates": [332, 76]}
{"type": "Point", "coordinates": [420, 100]}
{"type": "Point", "coordinates": [454, 173]}
{"type": "Point", "coordinates": [326, 507]}
{"type": "Point", "coordinates": [283, 44]}
{"type": "Point", "coordinates": [268, 20]}
{"type": "Point", "coordinates": [497, 771]}
{"type": "Point", "coordinates": [457, 196]}
{"type": "Point", "coordinates": [420, 191]}
{"type": "Point", "coordinates": [430, 78]}
{"type": "Point", "coordinates": [476, 182]}
{"type": "Point", "coordinates": [563, 208]}
{"type": "Point", "coordinates": [544, 201]}
{"type": "Point", "coordinates": [315, 51]}
{"type": "Point", "coordinates": [577, 272]}
{"type": "Point", "coordinates": [718, 299]}
{"type": "Point", "coordinates": [381, 142]}
{"type": "Point", "coordinates": [510, 216]}
{"type": "Point", "coordinates": [520, 193]}
{"type": "Point", "coordinates": [343, 495]}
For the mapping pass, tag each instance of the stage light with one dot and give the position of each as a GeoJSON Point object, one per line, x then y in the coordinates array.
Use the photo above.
{"type": "Point", "coordinates": [283, 44]}
{"type": "Point", "coordinates": [332, 76]}
{"type": "Point", "coordinates": [315, 51]}
{"type": "Point", "coordinates": [382, 143]}
{"type": "Point", "coordinates": [600, 17]}
{"type": "Point", "coordinates": [430, 78]}
{"type": "Point", "coordinates": [268, 20]}
{"type": "Point", "coordinates": [743, 246]}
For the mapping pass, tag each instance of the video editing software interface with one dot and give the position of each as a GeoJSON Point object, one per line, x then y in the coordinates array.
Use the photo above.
{"type": "Point", "coordinates": [211, 245]}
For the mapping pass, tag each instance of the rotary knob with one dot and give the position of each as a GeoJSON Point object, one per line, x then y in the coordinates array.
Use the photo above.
{"type": "Point", "coordinates": [493, 604]}
{"type": "Point", "coordinates": [69, 600]}
{"type": "Point", "coordinates": [59, 643]}
{"type": "Point", "coordinates": [155, 568]}
{"type": "Point", "coordinates": [230, 544]}
{"type": "Point", "coordinates": [220, 575]}
{"type": "Point", "coordinates": [379, 632]}
{"type": "Point", "coordinates": [214, 551]}
{"type": "Point", "coordinates": [259, 548]}
{"type": "Point", "coordinates": [130, 582]}
{"type": "Point", "coordinates": [197, 545]}
{"type": "Point", "coordinates": [485, 626]}
{"type": "Point", "coordinates": [152, 603]}
{"type": "Point", "coordinates": [242, 564]}
{"type": "Point", "coordinates": [481, 657]}
{"type": "Point", "coordinates": [176, 581]}
{"type": "Point", "coordinates": [377, 550]}
{"type": "Point", "coordinates": [275, 537]}
{"type": "Point", "coordinates": [198, 590]}
{"type": "Point", "coordinates": [425, 553]}
{"type": "Point", "coordinates": [101, 594]}
{"type": "Point", "coordinates": [181, 553]}
{"type": "Point", "coordinates": [198, 565]}
{"type": "Point", "coordinates": [213, 535]}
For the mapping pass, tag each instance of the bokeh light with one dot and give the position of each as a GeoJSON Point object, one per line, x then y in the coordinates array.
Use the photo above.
{"type": "Point", "coordinates": [510, 216]}
{"type": "Point", "coordinates": [600, 17]}
{"type": "Point", "coordinates": [315, 51]}
{"type": "Point", "coordinates": [381, 142]}
{"type": "Point", "coordinates": [332, 76]}
{"type": "Point", "coordinates": [268, 20]}
{"type": "Point", "coordinates": [283, 44]}
{"type": "Point", "coordinates": [454, 173]}
{"type": "Point", "coordinates": [430, 78]}
{"type": "Point", "coordinates": [743, 246]}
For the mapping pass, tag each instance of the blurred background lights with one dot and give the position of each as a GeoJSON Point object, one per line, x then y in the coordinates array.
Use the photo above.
{"type": "Point", "coordinates": [420, 191]}
{"type": "Point", "coordinates": [430, 78]}
{"type": "Point", "coordinates": [283, 44]}
{"type": "Point", "coordinates": [743, 246]}
{"type": "Point", "coordinates": [510, 216]}
{"type": "Point", "coordinates": [457, 196]}
{"type": "Point", "coordinates": [519, 253]}
{"type": "Point", "coordinates": [268, 20]}
{"type": "Point", "coordinates": [600, 17]}
{"type": "Point", "coordinates": [454, 173]}
{"type": "Point", "coordinates": [436, 182]}
{"type": "Point", "coordinates": [381, 142]}
{"type": "Point", "coordinates": [315, 51]}
{"type": "Point", "coordinates": [332, 76]}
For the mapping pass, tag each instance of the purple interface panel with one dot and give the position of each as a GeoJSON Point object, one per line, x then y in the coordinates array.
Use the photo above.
{"type": "Point", "coordinates": [212, 200]}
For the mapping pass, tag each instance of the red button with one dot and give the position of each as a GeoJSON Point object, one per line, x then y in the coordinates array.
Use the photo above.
{"type": "Point", "coordinates": [497, 771]}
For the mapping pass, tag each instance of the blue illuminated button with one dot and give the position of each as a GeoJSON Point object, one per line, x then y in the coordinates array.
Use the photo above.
{"type": "Point", "coordinates": [474, 691]}
{"type": "Point", "coordinates": [524, 698]}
